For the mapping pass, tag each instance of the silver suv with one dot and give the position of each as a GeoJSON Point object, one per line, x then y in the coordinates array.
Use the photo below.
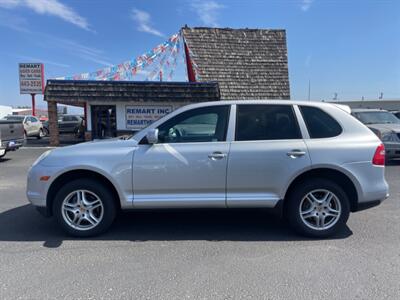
{"type": "Point", "coordinates": [313, 161]}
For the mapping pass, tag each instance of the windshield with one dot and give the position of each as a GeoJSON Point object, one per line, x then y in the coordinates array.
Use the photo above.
{"type": "Point", "coordinates": [377, 117]}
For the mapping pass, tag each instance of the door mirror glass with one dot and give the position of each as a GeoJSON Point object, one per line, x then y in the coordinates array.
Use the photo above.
{"type": "Point", "coordinates": [152, 136]}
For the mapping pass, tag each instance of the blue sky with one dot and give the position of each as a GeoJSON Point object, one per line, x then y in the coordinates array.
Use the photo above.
{"type": "Point", "coordinates": [347, 47]}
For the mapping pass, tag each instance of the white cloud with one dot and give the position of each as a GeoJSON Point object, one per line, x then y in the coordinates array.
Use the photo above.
{"type": "Point", "coordinates": [207, 11]}
{"type": "Point", "coordinates": [79, 50]}
{"type": "Point", "coordinates": [45, 61]}
{"type": "Point", "coordinates": [9, 3]}
{"type": "Point", "coordinates": [13, 22]}
{"type": "Point", "coordinates": [143, 21]}
{"type": "Point", "coordinates": [49, 7]}
{"type": "Point", "coordinates": [306, 4]}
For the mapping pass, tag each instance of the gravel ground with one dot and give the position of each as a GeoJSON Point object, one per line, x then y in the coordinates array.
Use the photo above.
{"type": "Point", "coordinates": [207, 254]}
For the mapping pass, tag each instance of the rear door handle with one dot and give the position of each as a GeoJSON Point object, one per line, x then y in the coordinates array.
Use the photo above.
{"type": "Point", "coordinates": [296, 153]}
{"type": "Point", "coordinates": [216, 155]}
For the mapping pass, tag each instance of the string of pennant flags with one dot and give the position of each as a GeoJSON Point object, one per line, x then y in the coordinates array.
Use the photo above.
{"type": "Point", "coordinates": [158, 64]}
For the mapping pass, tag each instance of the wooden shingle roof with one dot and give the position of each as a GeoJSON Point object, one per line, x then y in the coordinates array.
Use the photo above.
{"type": "Point", "coordinates": [247, 63]}
{"type": "Point", "coordinates": [76, 92]}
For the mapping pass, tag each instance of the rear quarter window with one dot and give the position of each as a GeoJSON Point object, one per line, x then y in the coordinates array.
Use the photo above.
{"type": "Point", "coordinates": [319, 123]}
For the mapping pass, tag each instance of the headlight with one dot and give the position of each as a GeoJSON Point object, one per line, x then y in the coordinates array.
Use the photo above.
{"type": "Point", "coordinates": [41, 157]}
{"type": "Point", "coordinates": [388, 136]}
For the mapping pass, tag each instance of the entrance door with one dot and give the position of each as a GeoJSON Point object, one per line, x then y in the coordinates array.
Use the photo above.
{"type": "Point", "coordinates": [187, 168]}
{"type": "Point", "coordinates": [104, 121]}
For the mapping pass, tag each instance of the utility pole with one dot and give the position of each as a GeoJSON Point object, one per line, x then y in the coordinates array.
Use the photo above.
{"type": "Point", "coordinates": [309, 90]}
{"type": "Point", "coordinates": [33, 105]}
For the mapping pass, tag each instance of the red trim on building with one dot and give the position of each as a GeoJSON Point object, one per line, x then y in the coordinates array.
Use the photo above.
{"type": "Point", "coordinates": [190, 71]}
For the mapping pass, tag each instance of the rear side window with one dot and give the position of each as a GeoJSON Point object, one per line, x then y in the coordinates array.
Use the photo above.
{"type": "Point", "coordinates": [319, 123]}
{"type": "Point", "coordinates": [266, 122]}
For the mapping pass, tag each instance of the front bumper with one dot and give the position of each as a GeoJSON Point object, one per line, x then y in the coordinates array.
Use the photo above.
{"type": "Point", "coordinates": [36, 190]}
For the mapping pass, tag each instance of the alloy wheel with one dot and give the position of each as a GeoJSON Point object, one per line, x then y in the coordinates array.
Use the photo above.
{"type": "Point", "coordinates": [320, 209]}
{"type": "Point", "coordinates": [82, 210]}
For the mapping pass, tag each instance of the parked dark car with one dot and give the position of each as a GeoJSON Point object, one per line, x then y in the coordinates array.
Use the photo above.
{"type": "Point", "coordinates": [67, 124]}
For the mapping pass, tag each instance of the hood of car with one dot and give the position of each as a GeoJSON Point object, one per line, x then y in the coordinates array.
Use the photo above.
{"type": "Point", "coordinates": [385, 127]}
{"type": "Point", "coordinates": [89, 152]}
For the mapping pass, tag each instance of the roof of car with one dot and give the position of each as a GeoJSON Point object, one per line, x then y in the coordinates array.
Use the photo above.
{"type": "Point", "coordinates": [367, 110]}
{"type": "Point", "coordinates": [277, 101]}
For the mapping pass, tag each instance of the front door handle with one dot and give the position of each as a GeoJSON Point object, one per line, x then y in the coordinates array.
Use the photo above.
{"type": "Point", "coordinates": [296, 153]}
{"type": "Point", "coordinates": [216, 155]}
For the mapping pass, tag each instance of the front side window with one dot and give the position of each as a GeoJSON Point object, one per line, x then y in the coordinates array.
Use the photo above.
{"type": "Point", "coordinates": [319, 123]}
{"type": "Point", "coordinates": [266, 122]}
{"type": "Point", "coordinates": [206, 124]}
{"type": "Point", "coordinates": [68, 119]}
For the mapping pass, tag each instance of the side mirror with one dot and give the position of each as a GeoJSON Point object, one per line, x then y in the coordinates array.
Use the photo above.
{"type": "Point", "coordinates": [152, 136]}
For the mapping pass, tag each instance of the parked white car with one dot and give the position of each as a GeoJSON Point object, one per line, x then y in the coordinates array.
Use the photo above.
{"type": "Point", "coordinates": [312, 160]}
{"type": "Point", "coordinates": [32, 125]}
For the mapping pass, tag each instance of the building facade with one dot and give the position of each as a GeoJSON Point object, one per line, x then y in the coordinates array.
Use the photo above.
{"type": "Point", "coordinates": [222, 64]}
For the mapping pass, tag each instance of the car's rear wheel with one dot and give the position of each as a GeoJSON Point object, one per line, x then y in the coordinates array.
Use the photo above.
{"type": "Point", "coordinates": [41, 134]}
{"type": "Point", "coordinates": [84, 208]}
{"type": "Point", "coordinates": [317, 208]}
{"type": "Point", "coordinates": [46, 132]}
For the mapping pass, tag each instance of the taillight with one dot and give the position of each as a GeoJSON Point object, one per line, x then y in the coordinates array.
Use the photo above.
{"type": "Point", "coordinates": [379, 156]}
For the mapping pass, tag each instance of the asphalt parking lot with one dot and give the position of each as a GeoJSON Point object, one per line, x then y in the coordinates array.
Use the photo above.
{"type": "Point", "coordinates": [208, 254]}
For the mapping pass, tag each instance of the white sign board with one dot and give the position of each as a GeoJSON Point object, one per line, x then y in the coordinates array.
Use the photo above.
{"type": "Point", "coordinates": [31, 79]}
{"type": "Point", "coordinates": [140, 116]}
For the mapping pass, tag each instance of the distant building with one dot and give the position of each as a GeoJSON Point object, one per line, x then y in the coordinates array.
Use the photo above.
{"type": "Point", "coordinates": [387, 104]}
{"type": "Point", "coordinates": [5, 111]}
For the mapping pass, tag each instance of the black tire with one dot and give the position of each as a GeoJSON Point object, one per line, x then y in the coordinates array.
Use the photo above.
{"type": "Point", "coordinates": [294, 200]}
{"type": "Point", "coordinates": [105, 196]}
{"type": "Point", "coordinates": [46, 132]}
{"type": "Point", "coordinates": [40, 134]}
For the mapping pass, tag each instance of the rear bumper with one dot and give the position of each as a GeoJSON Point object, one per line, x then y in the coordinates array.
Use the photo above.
{"type": "Point", "coordinates": [392, 150]}
{"type": "Point", "coordinates": [366, 205]}
{"type": "Point", "coordinates": [12, 145]}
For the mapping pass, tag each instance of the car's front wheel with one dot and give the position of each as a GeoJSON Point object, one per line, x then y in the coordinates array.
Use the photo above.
{"type": "Point", "coordinates": [317, 208]}
{"type": "Point", "coordinates": [84, 208]}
